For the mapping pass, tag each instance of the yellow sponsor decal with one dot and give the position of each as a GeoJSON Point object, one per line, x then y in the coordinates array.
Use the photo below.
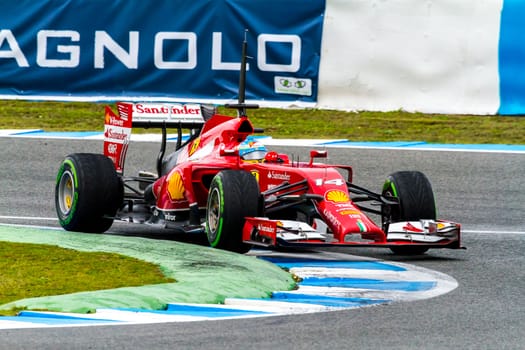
{"type": "Point", "coordinates": [255, 174]}
{"type": "Point", "coordinates": [194, 146]}
{"type": "Point", "coordinates": [175, 187]}
{"type": "Point", "coordinates": [337, 196]}
{"type": "Point", "coordinates": [350, 212]}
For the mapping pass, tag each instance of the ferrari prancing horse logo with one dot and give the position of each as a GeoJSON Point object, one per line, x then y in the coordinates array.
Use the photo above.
{"type": "Point", "coordinates": [194, 146]}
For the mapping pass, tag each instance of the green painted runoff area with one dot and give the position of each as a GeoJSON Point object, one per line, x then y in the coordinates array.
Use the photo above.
{"type": "Point", "coordinates": [202, 274]}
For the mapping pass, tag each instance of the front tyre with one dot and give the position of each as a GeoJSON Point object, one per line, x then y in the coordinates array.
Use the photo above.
{"type": "Point", "coordinates": [233, 195]}
{"type": "Point", "coordinates": [88, 193]}
{"type": "Point", "coordinates": [416, 202]}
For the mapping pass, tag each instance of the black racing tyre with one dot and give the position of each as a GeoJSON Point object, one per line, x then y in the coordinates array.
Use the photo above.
{"type": "Point", "coordinates": [88, 193]}
{"type": "Point", "coordinates": [416, 201]}
{"type": "Point", "coordinates": [232, 196]}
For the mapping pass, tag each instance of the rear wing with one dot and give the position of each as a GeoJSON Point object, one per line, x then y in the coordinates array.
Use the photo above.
{"type": "Point", "coordinates": [118, 126]}
{"type": "Point", "coordinates": [152, 115]}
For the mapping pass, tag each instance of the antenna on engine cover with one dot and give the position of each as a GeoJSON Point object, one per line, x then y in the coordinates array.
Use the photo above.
{"type": "Point", "coordinates": [241, 106]}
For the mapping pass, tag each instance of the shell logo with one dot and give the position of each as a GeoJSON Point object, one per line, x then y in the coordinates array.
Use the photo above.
{"type": "Point", "coordinates": [337, 196]}
{"type": "Point", "coordinates": [175, 187]}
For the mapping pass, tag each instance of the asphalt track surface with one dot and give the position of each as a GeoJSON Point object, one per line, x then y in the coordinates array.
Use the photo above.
{"type": "Point", "coordinates": [483, 191]}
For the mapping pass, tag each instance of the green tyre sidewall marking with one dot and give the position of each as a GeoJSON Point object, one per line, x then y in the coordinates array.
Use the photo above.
{"type": "Point", "coordinates": [389, 184]}
{"type": "Point", "coordinates": [218, 232]}
{"type": "Point", "coordinates": [68, 165]}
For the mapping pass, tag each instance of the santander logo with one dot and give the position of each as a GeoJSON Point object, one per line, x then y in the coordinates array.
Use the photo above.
{"type": "Point", "coordinates": [115, 134]}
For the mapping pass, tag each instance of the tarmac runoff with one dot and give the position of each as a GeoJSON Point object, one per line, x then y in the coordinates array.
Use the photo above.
{"type": "Point", "coordinates": [202, 274]}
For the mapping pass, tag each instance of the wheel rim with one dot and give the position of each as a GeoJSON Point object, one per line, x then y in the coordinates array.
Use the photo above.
{"type": "Point", "coordinates": [66, 192]}
{"type": "Point", "coordinates": [214, 214]}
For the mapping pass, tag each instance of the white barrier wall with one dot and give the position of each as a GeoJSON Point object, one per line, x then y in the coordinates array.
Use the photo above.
{"type": "Point", "coordinates": [438, 56]}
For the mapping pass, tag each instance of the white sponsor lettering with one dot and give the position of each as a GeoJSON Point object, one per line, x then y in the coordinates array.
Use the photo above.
{"type": "Point", "coordinates": [278, 176]}
{"type": "Point", "coordinates": [104, 42]}
{"type": "Point", "coordinates": [167, 109]}
{"type": "Point", "coordinates": [191, 47]}
{"type": "Point", "coordinates": [289, 48]}
{"type": "Point", "coordinates": [116, 121]}
{"type": "Point", "coordinates": [112, 134]}
{"type": "Point", "coordinates": [170, 217]}
{"type": "Point", "coordinates": [112, 148]}
{"type": "Point", "coordinates": [116, 134]}
{"type": "Point", "coordinates": [337, 182]}
{"type": "Point", "coordinates": [295, 55]}
{"type": "Point", "coordinates": [14, 49]}
{"type": "Point", "coordinates": [264, 228]}
{"type": "Point", "coordinates": [346, 205]}
{"type": "Point", "coordinates": [216, 56]}
{"type": "Point", "coordinates": [72, 52]}
{"type": "Point", "coordinates": [331, 218]}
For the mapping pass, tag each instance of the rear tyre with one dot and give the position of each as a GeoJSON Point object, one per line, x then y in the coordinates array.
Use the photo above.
{"type": "Point", "coordinates": [416, 201]}
{"type": "Point", "coordinates": [232, 196]}
{"type": "Point", "coordinates": [88, 193]}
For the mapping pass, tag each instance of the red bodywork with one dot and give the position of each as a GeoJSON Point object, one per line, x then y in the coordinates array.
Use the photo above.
{"type": "Point", "coordinates": [323, 186]}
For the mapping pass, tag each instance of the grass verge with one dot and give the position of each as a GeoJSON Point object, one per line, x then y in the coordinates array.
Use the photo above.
{"type": "Point", "coordinates": [296, 123]}
{"type": "Point", "coordinates": [35, 270]}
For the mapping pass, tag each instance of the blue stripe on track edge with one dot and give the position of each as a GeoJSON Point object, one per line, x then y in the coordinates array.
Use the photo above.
{"type": "Point", "coordinates": [337, 143]}
{"type": "Point", "coordinates": [195, 310]}
{"type": "Point", "coordinates": [369, 284]}
{"type": "Point", "coordinates": [359, 265]}
{"type": "Point", "coordinates": [326, 300]}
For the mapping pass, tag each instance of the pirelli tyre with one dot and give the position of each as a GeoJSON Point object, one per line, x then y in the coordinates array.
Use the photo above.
{"type": "Point", "coordinates": [232, 196]}
{"type": "Point", "coordinates": [88, 193]}
{"type": "Point", "coordinates": [416, 201]}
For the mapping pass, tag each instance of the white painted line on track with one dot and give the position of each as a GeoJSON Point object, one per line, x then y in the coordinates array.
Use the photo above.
{"type": "Point", "coordinates": [463, 231]}
{"type": "Point", "coordinates": [8, 217]}
{"type": "Point", "coordinates": [492, 232]}
{"type": "Point", "coordinates": [504, 149]}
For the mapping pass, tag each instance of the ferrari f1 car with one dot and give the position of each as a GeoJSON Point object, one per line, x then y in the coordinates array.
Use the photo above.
{"type": "Point", "coordinates": [221, 181]}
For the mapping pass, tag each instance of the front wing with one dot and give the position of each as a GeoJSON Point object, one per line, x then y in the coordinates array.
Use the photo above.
{"type": "Point", "coordinates": [286, 233]}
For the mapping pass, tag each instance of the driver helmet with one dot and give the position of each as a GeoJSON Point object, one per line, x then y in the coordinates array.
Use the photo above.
{"type": "Point", "coordinates": [253, 151]}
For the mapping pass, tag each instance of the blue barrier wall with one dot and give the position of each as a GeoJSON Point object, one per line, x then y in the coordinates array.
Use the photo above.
{"type": "Point", "coordinates": [512, 58]}
{"type": "Point", "coordinates": [181, 49]}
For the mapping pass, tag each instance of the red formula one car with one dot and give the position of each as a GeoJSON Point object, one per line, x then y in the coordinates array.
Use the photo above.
{"type": "Point", "coordinates": [222, 182]}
